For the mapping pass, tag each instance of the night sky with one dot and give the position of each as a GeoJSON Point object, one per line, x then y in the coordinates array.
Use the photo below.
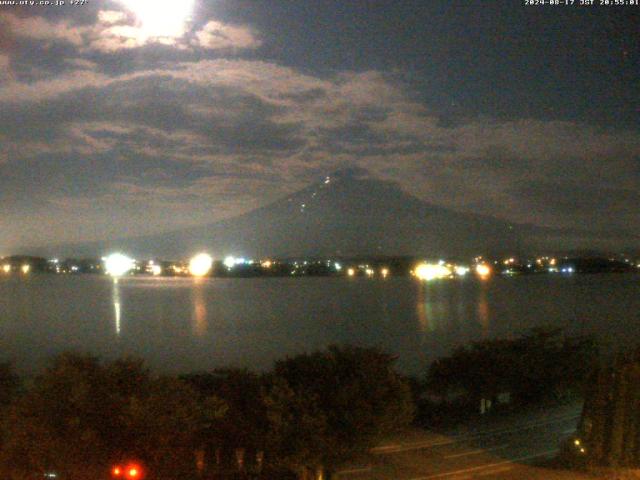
{"type": "Point", "coordinates": [118, 118]}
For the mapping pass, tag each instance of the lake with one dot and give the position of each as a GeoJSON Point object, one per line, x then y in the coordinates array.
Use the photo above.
{"type": "Point", "coordinates": [187, 324]}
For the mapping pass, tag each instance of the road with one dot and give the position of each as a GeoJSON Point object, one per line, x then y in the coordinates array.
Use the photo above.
{"type": "Point", "coordinates": [498, 449]}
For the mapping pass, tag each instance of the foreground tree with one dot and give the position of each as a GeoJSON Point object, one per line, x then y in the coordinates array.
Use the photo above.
{"type": "Point", "coordinates": [81, 416]}
{"type": "Point", "coordinates": [540, 365]}
{"type": "Point", "coordinates": [298, 432]}
{"type": "Point", "coordinates": [9, 384]}
{"type": "Point", "coordinates": [244, 425]}
{"type": "Point", "coordinates": [609, 429]}
{"type": "Point", "coordinates": [328, 406]}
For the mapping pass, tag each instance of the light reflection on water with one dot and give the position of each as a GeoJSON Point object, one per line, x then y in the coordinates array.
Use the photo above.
{"type": "Point", "coordinates": [170, 321]}
{"type": "Point", "coordinates": [117, 310]}
{"type": "Point", "coordinates": [199, 317]}
{"type": "Point", "coordinates": [483, 310]}
{"type": "Point", "coordinates": [447, 305]}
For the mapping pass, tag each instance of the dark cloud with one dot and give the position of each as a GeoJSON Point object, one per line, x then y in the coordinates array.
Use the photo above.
{"type": "Point", "coordinates": [363, 140]}
{"type": "Point", "coordinates": [228, 119]}
{"type": "Point", "coordinates": [568, 198]}
{"type": "Point", "coordinates": [70, 175]}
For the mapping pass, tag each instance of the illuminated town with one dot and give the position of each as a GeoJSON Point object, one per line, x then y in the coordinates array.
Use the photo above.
{"type": "Point", "coordinates": [204, 265]}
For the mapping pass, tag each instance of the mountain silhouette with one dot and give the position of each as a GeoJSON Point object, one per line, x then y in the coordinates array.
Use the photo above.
{"type": "Point", "coordinates": [347, 213]}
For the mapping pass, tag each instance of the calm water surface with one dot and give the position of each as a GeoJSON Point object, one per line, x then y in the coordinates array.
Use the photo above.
{"type": "Point", "coordinates": [185, 324]}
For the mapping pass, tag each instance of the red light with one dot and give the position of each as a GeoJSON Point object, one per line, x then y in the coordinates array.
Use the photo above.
{"type": "Point", "coordinates": [133, 472]}
{"type": "Point", "coordinates": [116, 471]}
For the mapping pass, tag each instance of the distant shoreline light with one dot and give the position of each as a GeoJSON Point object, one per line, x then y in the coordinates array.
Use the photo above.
{"type": "Point", "coordinates": [118, 264]}
{"type": "Point", "coordinates": [431, 271]}
{"type": "Point", "coordinates": [200, 265]}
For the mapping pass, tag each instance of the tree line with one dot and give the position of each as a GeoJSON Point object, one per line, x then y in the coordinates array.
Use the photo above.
{"type": "Point", "coordinates": [543, 365]}
{"type": "Point", "coordinates": [303, 418]}
{"type": "Point", "coordinates": [81, 416]}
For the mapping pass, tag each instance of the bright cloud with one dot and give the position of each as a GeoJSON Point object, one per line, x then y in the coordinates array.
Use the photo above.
{"type": "Point", "coordinates": [110, 17]}
{"type": "Point", "coordinates": [218, 36]}
{"type": "Point", "coordinates": [39, 28]}
{"type": "Point", "coordinates": [143, 23]}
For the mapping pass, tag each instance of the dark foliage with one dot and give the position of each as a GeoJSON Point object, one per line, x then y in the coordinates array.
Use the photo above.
{"type": "Point", "coordinates": [81, 416]}
{"type": "Point", "coordinates": [538, 366]}
{"type": "Point", "coordinates": [335, 403]}
{"type": "Point", "coordinates": [244, 424]}
{"type": "Point", "coordinates": [610, 424]}
{"type": "Point", "coordinates": [9, 384]}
